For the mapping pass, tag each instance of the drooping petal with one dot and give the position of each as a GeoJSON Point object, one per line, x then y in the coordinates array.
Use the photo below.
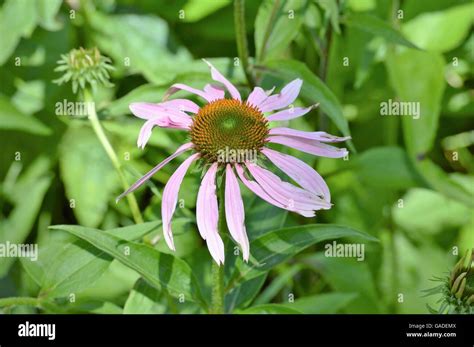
{"type": "Point", "coordinates": [286, 193]}
{"type": "Point", "coordinates": [290, 113]}
{"type": "Point", "coordinates": [183, 105]}
{"type": "Point", "coordinates": [150, 173]}
{"type": "Point", "coordinates": [217, 76]}
{"type": "Point", "coordinates": [287, 95]}
{"type": "Point", "coordinates": [309, 146]}
{"type": "Point", "coordinates": [320, 136]}
{"type": "Point", "coordinates": [260, 192]}
{"type": "Point", "coordinates": [300, 172]}
{"type": "Point", "coordinates": [145, 133]}
{"type": "Point", "coordinates": [170, 198]}
{"type": "Point", "coordinates": [234, 212]}
{"type": "Point", "coordinates": [215, 92]}
{"type": "Point", "coordinates": [146, 110]}
{"type": "Point", "coordinates": [179, 86]}
{"type": "Point", "coordinates": [207, 215]}
{"type": "Point", "coordinates": [161, 115]}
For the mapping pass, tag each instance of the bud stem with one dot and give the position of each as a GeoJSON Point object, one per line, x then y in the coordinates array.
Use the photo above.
{"type": "Point", "coordinates": [99, 131]}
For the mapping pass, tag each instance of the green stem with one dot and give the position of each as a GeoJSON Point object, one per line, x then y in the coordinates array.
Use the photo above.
{"type": "Point", "coordinates": [241, 37]}
{"type": "Point", "coordinates": [217, 301]}
{"type": "Point", "coordinates": [19, 301]}
{"type": "Point", "coordinates": [99, 131]}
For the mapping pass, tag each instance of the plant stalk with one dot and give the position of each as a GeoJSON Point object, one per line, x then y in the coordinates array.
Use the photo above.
{"type": "Point", "coordinates": [99, 131]}
{"type": "Point", "coordinates": [241, 38]}
{"type": "Point", "coordinates": [217, 300]}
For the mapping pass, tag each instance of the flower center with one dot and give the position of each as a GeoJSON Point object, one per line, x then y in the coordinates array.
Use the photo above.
{"type": "Point", "coordinates": [228, 126]}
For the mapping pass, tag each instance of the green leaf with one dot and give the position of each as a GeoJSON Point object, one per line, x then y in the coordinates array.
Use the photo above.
{"type": "Point", "coordinates": [88, 175]}
{"type": "Point", "coordinates": [278, 246]}
{"type": "Point", "coordinates": [387, 167]}
{"type": "Point", "coordinates": [127, 38]}
{"type": "Point", "coordinates": [332, 12]}
{"type": "Point", "coordinates": [77, 267]}
{"type": "Point", "coordinates": [323, 303]}
{"type": "Point", "coordinates": [276, 26]}
{"type": "Point", "coordinates": [195, 10]}
{"type": "Point", "coordinates": [143, 299]}
{"type": "Point", "coordinates": [440, 31]}
{"type": "Point", "coordinates": [17, 20]}
{"type": "Point", "coordinates": [348, 275]}
{"type": "Point", "coordinates": [161, 270]}
{"type": "Point", "coordinates": [243, 294]}
{"type": "Point", "coordinates": [440, 181]}
{"type": "Point", "coordinates": [29, 97]}
{"type": "Point", "coordinates": [27, 196]}
{"type": "Point", "coordinates": [313, 90]}
{"type": "Point", "coordinates": [270, 309]}
{"type": "Point", "coordinates": [277, 284]}
{"type": "Point", "coordinates": [427, 212]}
{"type": "Point", "coordinates": [416, 81]}
{"type": "Point", "coordinates": [46, 11]}
{"type": "Point", "coordinates": [260, 217]}
{"type": "Point", "coordinates": [136, 231]}
{"type": "Point", "coordinates": [378, 27]}
{"type": "Point", "coordinates": [13, 119]}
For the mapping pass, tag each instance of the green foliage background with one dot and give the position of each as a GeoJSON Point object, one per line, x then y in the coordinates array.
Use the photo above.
{"type": "Point", "coordinates": [406, 191]}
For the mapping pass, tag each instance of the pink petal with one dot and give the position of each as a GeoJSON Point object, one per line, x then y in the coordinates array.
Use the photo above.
{"type": "Point", "coordinates": [179, 86]}
{"type": "Point", "coordinates": [161, 115]}
{"type": "Point", "coordinates": [214, 92]}
{"type": "Point", "coordinates": [149, 174]}
{"type": "Point", "coordinates": [183, 105]}
{"type": "Point", "coordinates": [286, 193]}
{"type": "Point", "coordinates": [217, 76]}
{"type": "Point", "coordinates": [145, 133]}
{"type": "Point", "coordinates": [290, 113]}
{"type": "Point", "coordinates": [300, 172]}
{"type": "Point", "coordinates": [309, 146]}
{"type": "Point", "coordinates": [234, 212]}
{"type": "Point", "coordinates": [287, 95]}
{"type": "Point", "coordinates": [207, 215]}
{"type": "Point", "coordinates": [256, 97]}
{"type": "Point", "coordinates": [320, 136]}
{"type": "Point", "coordinates": [260, 192]}
{"type": "Point", "coordinates": [170, 198]}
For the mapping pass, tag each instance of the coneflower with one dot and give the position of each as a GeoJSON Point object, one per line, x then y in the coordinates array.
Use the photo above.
{"type": "Point", "coordinates": [230, 125]}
